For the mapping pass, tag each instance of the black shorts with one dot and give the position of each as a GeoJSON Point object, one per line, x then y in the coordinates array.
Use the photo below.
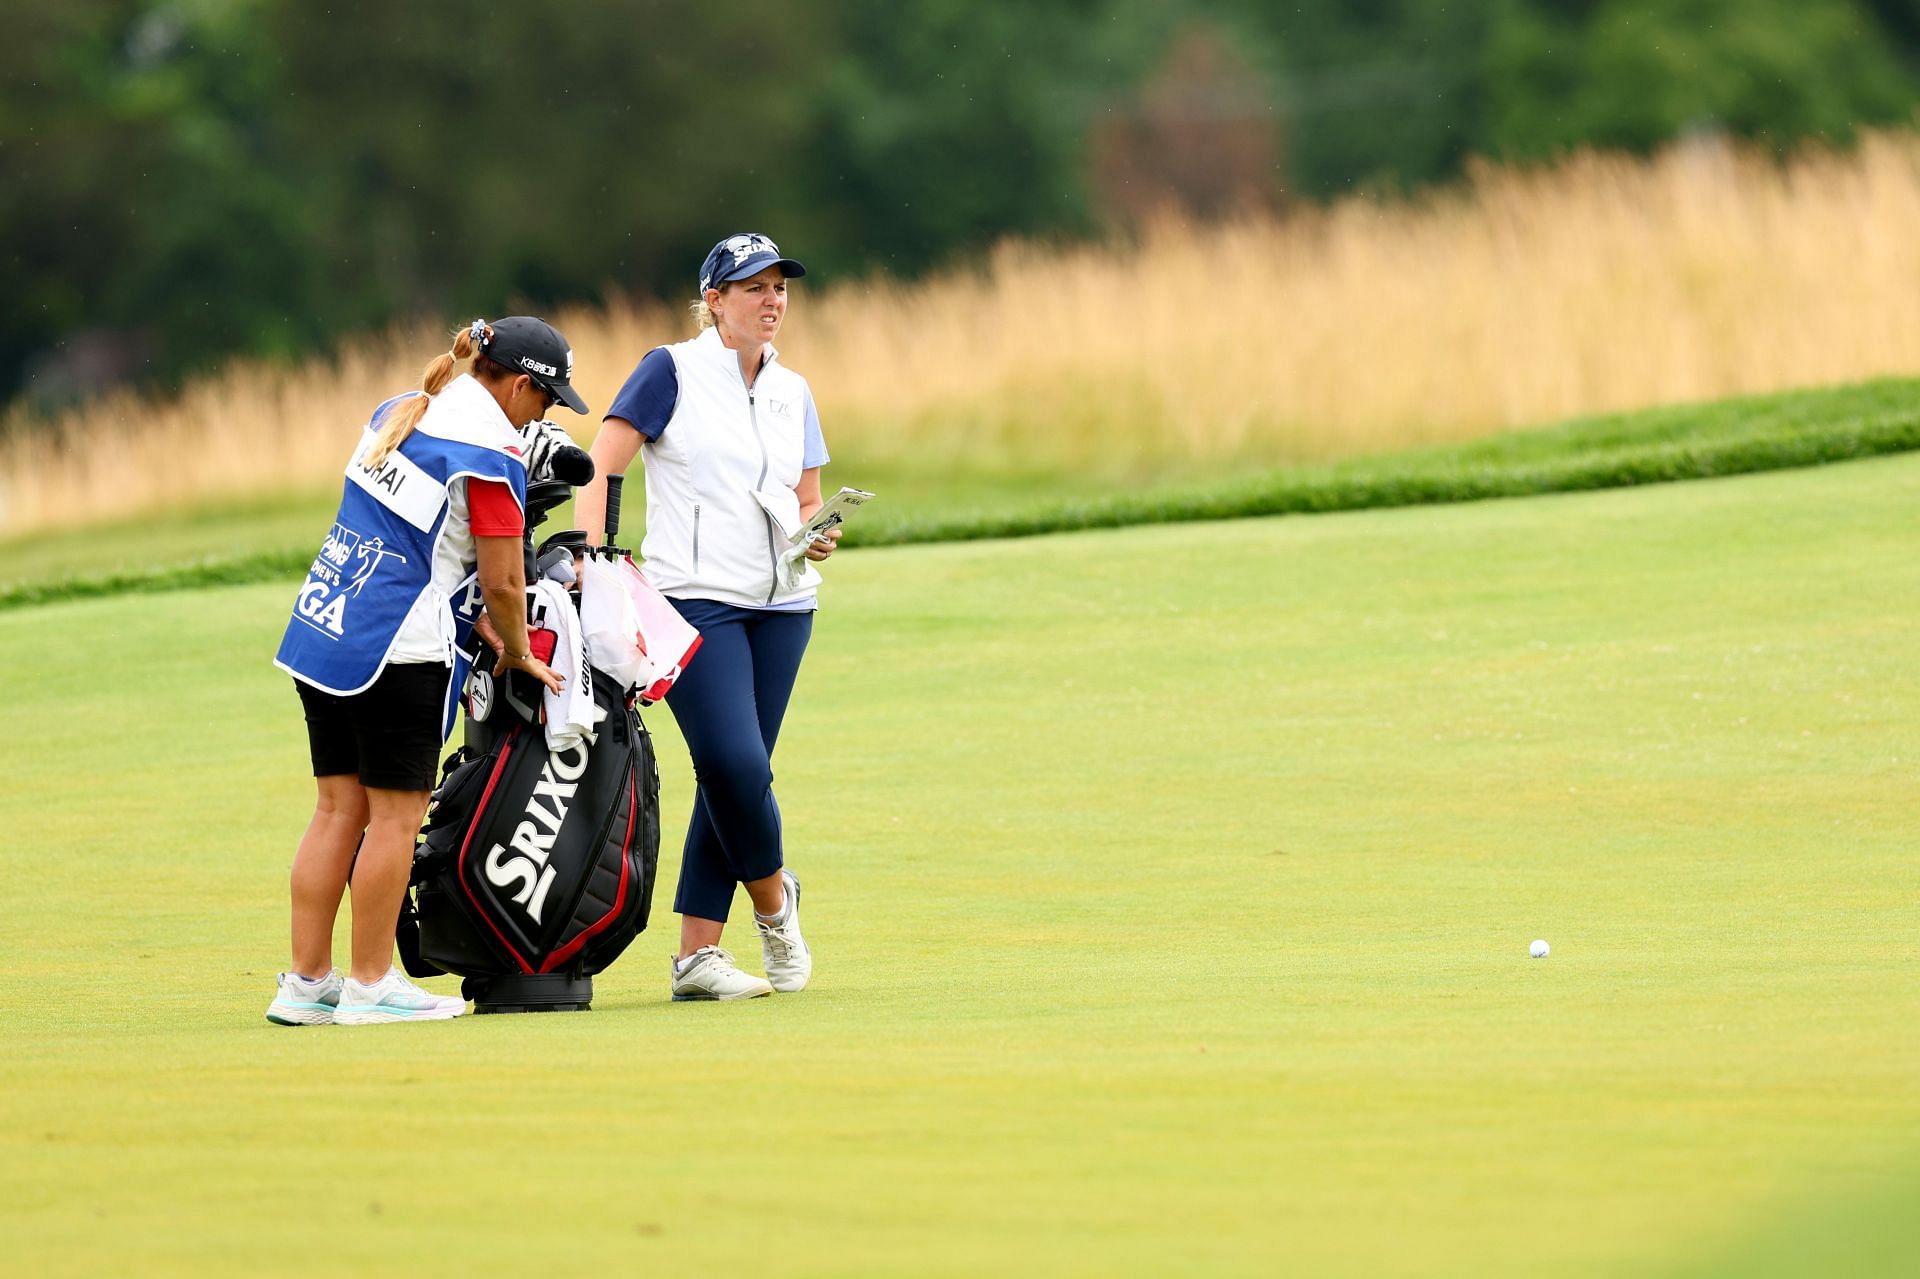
{"type": "Point", "coordinates": [388, 735]}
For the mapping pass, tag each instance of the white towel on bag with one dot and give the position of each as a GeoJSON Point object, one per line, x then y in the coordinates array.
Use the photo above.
{"type": "Point", "coordinates": [572, 714]}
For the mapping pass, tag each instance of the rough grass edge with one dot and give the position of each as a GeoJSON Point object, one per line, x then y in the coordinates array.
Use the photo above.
{"type": "Point", "coordinates": [1438, 478]}
{"type": "Point", "coordinates": [1499, 468]}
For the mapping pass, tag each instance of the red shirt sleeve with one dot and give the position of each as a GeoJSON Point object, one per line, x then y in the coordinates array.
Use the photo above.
{"type": "Point", "coordinates": [493, 511]}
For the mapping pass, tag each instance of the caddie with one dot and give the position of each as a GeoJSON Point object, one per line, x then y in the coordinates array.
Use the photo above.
{"type": "Point", "coordinates": [431, 519]}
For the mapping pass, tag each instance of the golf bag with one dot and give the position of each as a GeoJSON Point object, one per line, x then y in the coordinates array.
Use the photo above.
{"type": "Point", "coordinates": [536, 867]}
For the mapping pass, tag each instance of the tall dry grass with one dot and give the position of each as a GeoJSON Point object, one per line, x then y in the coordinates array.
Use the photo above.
{"type": "Point", "coordinates": [1516, 297]}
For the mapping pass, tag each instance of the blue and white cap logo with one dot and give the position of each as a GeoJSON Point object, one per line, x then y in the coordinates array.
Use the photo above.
{"type": "Point", "coordinates": [738, 256]}
{"type": "Point", "coordinates": [745, 246]}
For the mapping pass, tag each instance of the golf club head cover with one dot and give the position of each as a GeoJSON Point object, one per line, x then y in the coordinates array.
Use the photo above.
{"type": "Point", "coordinates": [557, 565]}
{"type": "Point", "coordinates": [552, 455]}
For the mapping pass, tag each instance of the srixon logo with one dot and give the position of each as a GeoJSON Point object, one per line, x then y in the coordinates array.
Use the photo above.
{"type": "Point", "coordinates": [522, 860]}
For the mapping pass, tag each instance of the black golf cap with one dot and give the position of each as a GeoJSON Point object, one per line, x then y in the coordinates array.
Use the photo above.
{"type": "Point", "coordinates": [531, 346]}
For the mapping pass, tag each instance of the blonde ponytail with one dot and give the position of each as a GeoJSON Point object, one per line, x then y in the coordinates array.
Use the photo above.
{"type": "Point", "coordinates": [403, 417]}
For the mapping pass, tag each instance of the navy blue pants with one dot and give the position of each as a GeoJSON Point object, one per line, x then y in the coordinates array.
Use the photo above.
{"type": "Point", "coordinates": [729, 703]}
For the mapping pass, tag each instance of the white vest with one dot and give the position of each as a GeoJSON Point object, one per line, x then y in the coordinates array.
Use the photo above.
{"type": "Point", "coordinates": [707, 535]}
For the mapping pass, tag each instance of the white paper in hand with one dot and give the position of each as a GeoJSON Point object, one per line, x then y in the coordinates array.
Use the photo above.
{"type": "Point", "coordinates": [831, 515]}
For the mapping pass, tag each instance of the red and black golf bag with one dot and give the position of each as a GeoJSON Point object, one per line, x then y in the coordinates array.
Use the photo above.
{"type": "Point", "coordinates": [536, 866]}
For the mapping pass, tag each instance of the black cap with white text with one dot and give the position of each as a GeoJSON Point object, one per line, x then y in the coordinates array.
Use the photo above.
{"type": "Point", "coordinates": [526, 344]}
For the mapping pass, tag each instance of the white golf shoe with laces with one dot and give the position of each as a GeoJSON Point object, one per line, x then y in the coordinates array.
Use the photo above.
{"type": "Point", "coordinates": [305, 1001]}
{"type": "Point", "coordinates": [393, 998]}
{"type": "Point", "coordinates": [788, 961]}
{"type": "Point", "coordinates": [709, 973]}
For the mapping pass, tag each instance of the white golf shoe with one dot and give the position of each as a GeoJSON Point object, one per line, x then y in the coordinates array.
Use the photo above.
{"type": "Point", "coordinates": [709, 973]}
{"type": "Point", "coordinates": [304, 1001]}
{"type": "Point", "coordinates": [788, 961]}
{"type": "Point", "coordinates": [393, 998]}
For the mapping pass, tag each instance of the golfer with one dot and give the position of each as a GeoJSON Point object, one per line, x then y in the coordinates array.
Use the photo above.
{"type": "Point", "coordinates": [435, 493]}
{"type": "Point", "coordinates": [733, 450]}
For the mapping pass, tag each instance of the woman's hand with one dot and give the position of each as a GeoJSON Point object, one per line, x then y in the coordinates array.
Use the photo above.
{"type": "Point", "coordinates": [808, 491]}
{"type": "Point", "coordinates": [483, 626]}
{"type": "Point", "coordinates": [531, 665]}
{"type": "Point", "coordinates": [821, 547]}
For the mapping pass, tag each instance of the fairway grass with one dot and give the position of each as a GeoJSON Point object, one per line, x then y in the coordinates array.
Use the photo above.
{"type": "Point", "coordinates": [1170, 889]}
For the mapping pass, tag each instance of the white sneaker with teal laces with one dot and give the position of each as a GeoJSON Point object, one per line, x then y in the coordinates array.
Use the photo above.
{"type": "Point", "coordinates": [392, 998]}
{"type": "Point", "coordinates": [709, 973]}
{"type": "Point", "coordinates": [305, 1001]}
{"type": "Point", "coordinates": [788, 961]}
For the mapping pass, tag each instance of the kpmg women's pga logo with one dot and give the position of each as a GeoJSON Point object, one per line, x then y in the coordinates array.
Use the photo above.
{"type": "Point", "coordinates": [322, 602]}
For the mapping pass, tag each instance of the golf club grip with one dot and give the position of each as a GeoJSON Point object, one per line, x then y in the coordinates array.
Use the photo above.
{"type": "Point", "coordinates": [614, 483]}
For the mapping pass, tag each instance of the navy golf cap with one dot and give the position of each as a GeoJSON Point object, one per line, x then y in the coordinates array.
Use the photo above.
{"type": "Point", "coordinates": [531, 346]}
{"type": "Point", "coordinates": [739, 256]}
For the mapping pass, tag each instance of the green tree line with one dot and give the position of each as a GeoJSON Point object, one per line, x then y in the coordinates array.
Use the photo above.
{"type": "Point", "coordinates": [186, 180]}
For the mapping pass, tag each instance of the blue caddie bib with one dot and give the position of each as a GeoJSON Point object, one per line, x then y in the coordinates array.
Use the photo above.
{"type": "Point", "coordinates": [377, 559]}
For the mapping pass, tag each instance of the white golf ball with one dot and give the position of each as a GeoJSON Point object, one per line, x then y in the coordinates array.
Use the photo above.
{"type": "Point", "coordinates": [1539, 950]}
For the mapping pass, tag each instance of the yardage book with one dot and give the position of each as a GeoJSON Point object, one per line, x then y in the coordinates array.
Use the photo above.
{"type": "Point", "coordinates": [785, 510]}
{"type": "Point", "coordinates": [832, 514]}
